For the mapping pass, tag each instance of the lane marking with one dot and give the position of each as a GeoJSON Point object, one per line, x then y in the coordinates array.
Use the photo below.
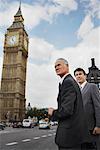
{"type": "Point", "coordinates": [13, 143]}
{"type": "Point", "coordinates": [44, 136]}
{"type": "Point", "coordinates": [26, 140]}
{"type": "Point", "coordinates": [36, 138]}
{"type": "Point", "coordinates": [49, 134]}
{"type": "Point", "coordinates": [1, 132]}
{"type": "Point", "coordinates": [53, 130]}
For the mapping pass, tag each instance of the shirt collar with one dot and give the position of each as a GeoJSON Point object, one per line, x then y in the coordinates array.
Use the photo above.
{"type": "Point", "coordinates": [61, 80]}
{"type": "Point", "coordinates": [83, 84]}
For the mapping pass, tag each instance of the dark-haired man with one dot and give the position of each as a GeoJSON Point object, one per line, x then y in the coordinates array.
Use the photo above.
{"type": "Point", "coordinates": [91, 102]}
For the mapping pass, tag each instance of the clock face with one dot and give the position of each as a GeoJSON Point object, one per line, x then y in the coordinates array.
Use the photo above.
{"type": "Point", "coordinates": [12, 40]}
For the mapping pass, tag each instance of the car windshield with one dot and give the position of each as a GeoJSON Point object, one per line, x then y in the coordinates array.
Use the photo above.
{"type": "Point", "coordinates": [26, 120]}
{"type": "Point", "coordinates": [43, 122]}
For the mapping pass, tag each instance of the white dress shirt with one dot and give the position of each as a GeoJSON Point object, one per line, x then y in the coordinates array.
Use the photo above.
{"type": "Point", "coordinates": [61, 80]}
{"type": "Point", "coordinates": [82, 85]}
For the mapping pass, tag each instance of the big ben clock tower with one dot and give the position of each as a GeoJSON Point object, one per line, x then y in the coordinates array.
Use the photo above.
{"type": "Point", "coordinates": [13, 81]}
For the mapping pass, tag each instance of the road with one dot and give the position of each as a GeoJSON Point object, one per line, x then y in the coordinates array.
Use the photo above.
{"type": "Point", "coordinates": [27, 139]}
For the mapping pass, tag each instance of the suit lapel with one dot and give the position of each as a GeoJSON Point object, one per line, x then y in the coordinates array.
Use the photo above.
{"type": "Point", "coordinates": [60, 87]}
{"type": "Point", "coordinates": [85, 87]}
{"type": "Point", "coordinates": [67, 76]}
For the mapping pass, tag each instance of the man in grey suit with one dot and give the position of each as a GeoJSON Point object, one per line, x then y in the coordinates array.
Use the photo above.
{"type": "Point", "coordinates": [71, 129]}
{"type": "Point", "coordinates": [91, 102]}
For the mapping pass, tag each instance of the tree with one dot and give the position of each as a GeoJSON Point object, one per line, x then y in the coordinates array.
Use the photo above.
{"type": "Point", "coordinates": [35, 112]}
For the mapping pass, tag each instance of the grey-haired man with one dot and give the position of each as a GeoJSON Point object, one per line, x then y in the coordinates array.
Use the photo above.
{"type": "Point", "coordinates": [71, 131]}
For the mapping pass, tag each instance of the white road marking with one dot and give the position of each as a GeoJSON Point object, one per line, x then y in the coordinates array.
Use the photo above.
{"type": "Point", "coordinates": [4, 132]}
{"type": "Point", "coordinates": [44, 136]}
{"type": "Point", "coordinates": [26, 140]}
{"type": "Point", "coordinates": [53, 130]}
{"type": "Point", "coordinates": [13, 143]}
{"type": "Point", "coordinates": [49, 134]}
{"type": "Point", "coordinates": [36, 138]}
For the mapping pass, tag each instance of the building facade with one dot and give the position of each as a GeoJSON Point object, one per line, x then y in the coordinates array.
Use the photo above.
{"type": "Point", "coordinates": [94, 74]}
{"type": "Point", "coordinates": [13, 81]}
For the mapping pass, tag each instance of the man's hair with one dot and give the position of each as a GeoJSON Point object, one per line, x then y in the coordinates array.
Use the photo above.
{"type": "Point", "coordinates": [80, 69]}
{"type": "Point", "coordinates": [62, 59]}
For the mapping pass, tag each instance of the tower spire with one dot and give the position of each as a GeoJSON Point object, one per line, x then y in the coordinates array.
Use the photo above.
{"type": "Point", "coordinates": [18, 18]}
{"type": "Point", "coordinates": [20, 4]}
{"type": "Point", "coordinates": [19, 13]}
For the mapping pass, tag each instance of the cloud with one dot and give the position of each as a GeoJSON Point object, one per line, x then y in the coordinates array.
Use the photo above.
{"type": "Point", "coordinates": [68, 5]}
{"type": "Point", "coordinates": [40, 50]}
{"type": "Point", "coordinates": [41, 85]}
{"type": "Point", "coordinates": [37, 13]}
{"type": "Point", "coordinates": [95, 8]}
{"type": "Point", "coordinates": [7, 11]}
{"type": "Point", "coordinates": [34, 13]}
{"type": "Point", "coordinates": [42, 81]}
{"type": "Point", "coordinates": [92, 39]}
{"type": "Point", "coordinates": [92, 7]}
{"type": "Point", "coordinates": [1, 39]}
{"type": "Point", "coordinates": [62, 6]}
{"type": "Point", "coordinates": [85, 27]}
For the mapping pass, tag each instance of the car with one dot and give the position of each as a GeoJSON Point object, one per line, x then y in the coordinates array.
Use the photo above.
{"type": "Point", "coordinates": [17, 125]}
{"type": "Point", "coordinates": [28, 123]}
{"type": "Point", "coordinates": [2, 126]}
{"type": "Point", "coordinates": [52, 123]}
{"type": "Point", "coordinates": [44, 124]}
{"type": "Point", "coordinates": [55, 122]}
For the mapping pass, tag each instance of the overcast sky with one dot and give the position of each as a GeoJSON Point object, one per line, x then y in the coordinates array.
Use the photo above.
{"type": "Point", "coordinates": [56, 28]}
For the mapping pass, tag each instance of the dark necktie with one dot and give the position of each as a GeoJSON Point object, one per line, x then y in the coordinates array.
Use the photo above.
{"type": "Point", "coordinates": [59, 86]}
{"type": "Point", "coordinates": [81, 88]}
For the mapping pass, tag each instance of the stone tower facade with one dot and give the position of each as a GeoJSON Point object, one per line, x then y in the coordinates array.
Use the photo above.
{"type": "Point", "coordinates": [13, 81]}
{"type": "Point", "coordinates": [94, 74]}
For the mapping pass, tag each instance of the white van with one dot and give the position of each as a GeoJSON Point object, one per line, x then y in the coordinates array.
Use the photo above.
{"type": "Point", "coordinates": [28, 123]}
{"type": "Point", "coordinates": [44, 124]}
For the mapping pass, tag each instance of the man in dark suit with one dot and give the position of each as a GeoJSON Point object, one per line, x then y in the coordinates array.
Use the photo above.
{"type": "Point", "coordinates": [91, 103]}
{"type": "Point", "coordinates": [71, 129]}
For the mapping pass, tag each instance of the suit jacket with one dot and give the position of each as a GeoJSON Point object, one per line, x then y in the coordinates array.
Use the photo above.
{"type": "Point", "coordinates": [71, 129]}
{"type": "Point", "coordinates": [91, 102]}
